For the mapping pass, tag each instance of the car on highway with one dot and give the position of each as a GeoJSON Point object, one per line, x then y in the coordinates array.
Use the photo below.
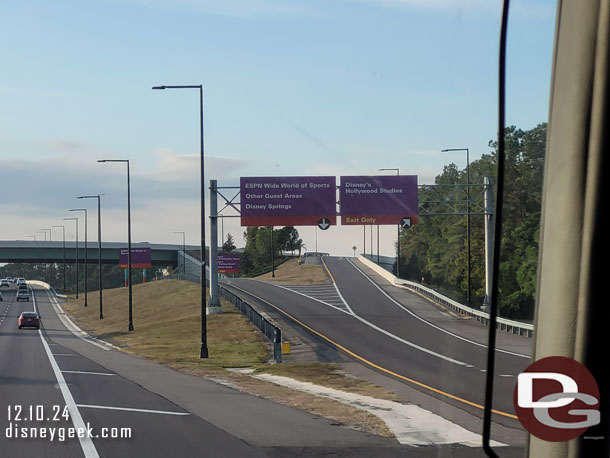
{"type": "Point", "coordinates": [23, 295]}
{"type": "Point", "coordinates": [1, 297]}
{"type": "Point", "coordinates": [4, 283]}
{"type": "Point", "coordinates": [22, 286]}
{"type": "Point", "coordinates": [20, 281]}
{"type": "Point", "coordinates": [29, 320]}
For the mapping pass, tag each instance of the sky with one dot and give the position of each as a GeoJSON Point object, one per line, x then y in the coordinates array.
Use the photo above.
{"type": "Point", "coordinates": [291, 88]}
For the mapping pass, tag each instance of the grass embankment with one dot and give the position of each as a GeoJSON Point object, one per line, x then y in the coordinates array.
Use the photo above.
{"type": "Point", "coordinates": [291, 273]}
{"type": "Point", "coordinates": [167, 322]}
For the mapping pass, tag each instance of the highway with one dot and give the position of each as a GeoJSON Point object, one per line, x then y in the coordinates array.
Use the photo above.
{"type": "Point", "coordinates": [67, 382]}
{"type": "Point", "coordinates": [402, 336]}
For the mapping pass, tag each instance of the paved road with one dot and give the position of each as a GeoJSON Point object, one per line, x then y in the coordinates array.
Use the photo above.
{"type": "Point", "coordinates": [168, 414]}
{"type": "Point", "coordinates": [375, 330]}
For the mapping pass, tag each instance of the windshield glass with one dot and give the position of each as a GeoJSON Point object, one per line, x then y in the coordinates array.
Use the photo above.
{"type": "Point", "coordinates": [337, 160]}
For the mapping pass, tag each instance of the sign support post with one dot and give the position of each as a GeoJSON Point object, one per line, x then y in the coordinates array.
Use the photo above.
{"type": "Point", "coordinates": [214, 303]}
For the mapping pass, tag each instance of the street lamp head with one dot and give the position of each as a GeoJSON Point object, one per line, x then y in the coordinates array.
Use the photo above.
{"type": "Point", "coordinates": [159, 87]}
{"type": "Point", "coordinates": [446, 150]}
{"type": "Point", "coordinates": [91, 197]}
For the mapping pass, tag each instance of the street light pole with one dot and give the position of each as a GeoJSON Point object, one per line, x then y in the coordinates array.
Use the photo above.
{"type": "Point", "coordinates": [75, 219]}
{"type": "Point", "coordinates": [63, 231]}
{"type": "Point", "coordinates": [467, 216]}
{"type": "Point", "coordinates": [86, 251]}
{"type": "Point", "coordinates": [130, 327]}
{"type": "Point", "coordinates": [99, 245]}
{"type": "Point", "coordinates": [398, 231]}
{"type": "Point", "coordinates": [183, 252]}
{"type": "Point", "coordinates": [46, 264]}
{"type": "Point", "coordinates": [204, 345]}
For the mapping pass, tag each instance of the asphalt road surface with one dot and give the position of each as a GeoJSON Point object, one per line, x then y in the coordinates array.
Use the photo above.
{"type": "Point", "coordinates": [52, 381]}
{"type": "Point", "coordinates": [403, 336]}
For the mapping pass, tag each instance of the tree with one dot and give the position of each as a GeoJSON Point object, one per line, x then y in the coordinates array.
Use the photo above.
{"type": "Point", "coordinates": [229, 245]}
{"type": "Point", "coordinates": [436, 247]}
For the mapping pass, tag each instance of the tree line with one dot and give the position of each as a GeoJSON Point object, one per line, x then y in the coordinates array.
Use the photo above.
{"type": "Point", "coordinates": [436, 248]}
{"type": "Point", "coordinates": [53, 273]}
{"type": "Point", "coordinates": [258, 251]}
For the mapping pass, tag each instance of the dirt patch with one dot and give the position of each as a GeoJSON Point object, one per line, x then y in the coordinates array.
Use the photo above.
{"type": "Point", "coordinates": [291, 273]}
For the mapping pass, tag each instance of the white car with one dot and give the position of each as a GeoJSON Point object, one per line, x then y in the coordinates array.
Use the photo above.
{"type": "Point", "coordinates": [4, 282]}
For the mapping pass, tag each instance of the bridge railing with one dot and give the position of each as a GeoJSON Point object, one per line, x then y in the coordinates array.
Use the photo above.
{"type": "Point", "coordinates": [515, 327]}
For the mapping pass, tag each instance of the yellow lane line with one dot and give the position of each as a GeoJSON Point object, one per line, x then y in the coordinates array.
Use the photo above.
{"type": "Point", "coordinates": [326, 267]}
{"type": "Point", "coordinates": [370, 363]}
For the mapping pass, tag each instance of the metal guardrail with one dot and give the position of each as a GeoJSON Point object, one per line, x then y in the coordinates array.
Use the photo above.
{"type": "Point", "coordinates": [515, 327]}
{"type": "Point", "coordinates": [271, 331]}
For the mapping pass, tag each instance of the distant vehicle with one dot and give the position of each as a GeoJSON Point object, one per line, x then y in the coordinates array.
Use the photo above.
{"type": "Point", "coordinates": [23, 295]}
{"type": "Point", "coordinates": [28, 320]}
{"type": "Point", "coordinates": [9, 279]}
{"type": "Point", "coordinates": [1, 297]}
{"type": "Point", "coordinates": [20, 280]}
{"type": "Point", "coordinates": [22, 286]}
{"type": "Point", "coordinates": [4, 282]}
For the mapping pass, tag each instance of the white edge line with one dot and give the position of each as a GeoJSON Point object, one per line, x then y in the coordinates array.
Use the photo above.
{"type": "Point", "coordinates": [377, 328]}
{"type": "Point", "coordinates": [129, 409]}
{"type": "Point", "coordinates": [86, 443]}
{"type": "Point", "coordinates": [69, 324]}
{"type": "Point", "coordinates": [427, 322]}
{"type": "Point", "coordinates": [86, 373]}
{"type": "Point", "coordinates": [304, 295]}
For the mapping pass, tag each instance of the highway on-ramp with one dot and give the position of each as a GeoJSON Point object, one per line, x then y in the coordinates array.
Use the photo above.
{"type": "Point", "coordinates": [374, 328]}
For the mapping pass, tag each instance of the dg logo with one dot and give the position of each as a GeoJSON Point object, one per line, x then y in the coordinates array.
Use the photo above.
{"type": "Point", "coordinates": [557, 399]}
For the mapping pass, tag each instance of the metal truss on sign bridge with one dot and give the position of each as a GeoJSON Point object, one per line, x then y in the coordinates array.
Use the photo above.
{"type": "Point", "coordinates": [453, 199]}
{"type": "Point", "coordinates": [229, 203]}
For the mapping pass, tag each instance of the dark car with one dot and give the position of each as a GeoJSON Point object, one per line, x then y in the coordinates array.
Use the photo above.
{"type": "Point", "coordinates": [29, 320]}
{"type": "Point", "coordinates": [23, 295]}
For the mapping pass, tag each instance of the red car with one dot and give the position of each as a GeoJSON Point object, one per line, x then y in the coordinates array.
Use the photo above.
{"type": "Point", "coordinates": [29, 320]}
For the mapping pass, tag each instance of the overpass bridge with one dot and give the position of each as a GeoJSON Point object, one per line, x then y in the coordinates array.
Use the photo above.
{"type": "Point", "coordinates": [53, 252]}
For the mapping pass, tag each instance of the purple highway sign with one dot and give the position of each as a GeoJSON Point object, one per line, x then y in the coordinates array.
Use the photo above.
{"type": "Point", "coordinates": [378, 199]}
{"type": "Point", "coordinates": [228, 263]}
{"type": "Point", "coordinates": [287, 201]}
{"type": "Point", "coordinates": [140, 258]}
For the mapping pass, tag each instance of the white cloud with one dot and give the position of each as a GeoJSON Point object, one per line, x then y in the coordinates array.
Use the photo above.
{"type": "Point", "coordinates": [173, 167]}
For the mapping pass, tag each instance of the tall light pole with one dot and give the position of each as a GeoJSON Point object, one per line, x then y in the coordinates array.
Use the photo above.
{"type": "Point", "coordinates": [130, 327]}
{"type": "Point", "coordinates": [86, 251]}
{"type": "Point", "coordinates": [99, 245]}
{"type": "Point", "coordinates": [183, 252]}
{"type": "Point", "coordinates": [467, 216]}
{"type": "Point", "coordinates": [75, 219]}
{"type": "Point", "coordinates": [204, 345]}
{"type": "Point", "coordinates": [397, 170]}
{"type": "Point", "coordinates": [63, 231]}
{"type": "Point", "coordinates": [46, 264]}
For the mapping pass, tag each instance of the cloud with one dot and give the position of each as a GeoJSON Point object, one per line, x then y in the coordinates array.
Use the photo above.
{"type": "Point", "coordinates": [174, 167]}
